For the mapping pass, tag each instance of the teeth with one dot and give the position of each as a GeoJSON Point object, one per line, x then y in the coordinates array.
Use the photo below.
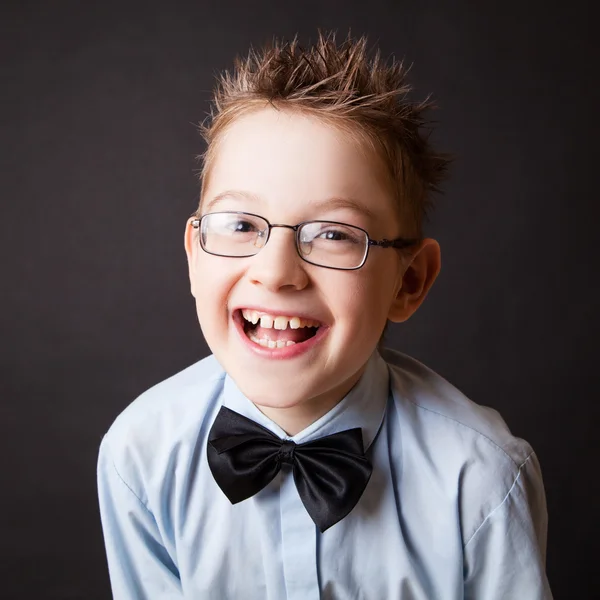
{"type": "Point", "coordinates": [266, 322]}
{"type": "Point", "coordinates": [250, 315]}
{"type": "Point", "coordinates": [280, 323]}
{"type": "Point", "coordinates": [270, 343]}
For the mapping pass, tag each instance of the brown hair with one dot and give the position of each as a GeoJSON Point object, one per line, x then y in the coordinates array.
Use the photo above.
{"type": "Point", "coordinates": [341, 85]}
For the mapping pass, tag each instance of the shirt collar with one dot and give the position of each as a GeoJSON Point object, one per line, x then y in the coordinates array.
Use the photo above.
{"type": "Point", "coordinates": [363, 406]}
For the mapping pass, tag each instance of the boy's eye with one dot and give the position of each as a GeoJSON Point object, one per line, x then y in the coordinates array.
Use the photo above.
{"type": "Point", "coordinates": [337, 234]}
{"type": "Point", "coordinates": [232, 224]}
{"type": "Point", "coordinates": [242, 226]}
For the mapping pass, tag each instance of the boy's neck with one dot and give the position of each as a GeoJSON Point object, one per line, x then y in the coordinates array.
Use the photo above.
{"type": "Point", "coordinates": [295, 419]}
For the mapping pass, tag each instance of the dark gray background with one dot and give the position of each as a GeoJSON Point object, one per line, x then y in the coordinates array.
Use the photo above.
{"type": "Point", "coordinates": [99, 102]}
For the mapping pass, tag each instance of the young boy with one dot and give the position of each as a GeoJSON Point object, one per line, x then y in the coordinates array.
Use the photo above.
{"type": "Point", "coordinates": [298, 462]}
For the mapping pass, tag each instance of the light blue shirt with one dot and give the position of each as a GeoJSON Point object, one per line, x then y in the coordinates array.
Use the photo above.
{"type": "Point", "coordinates": [454, 510]}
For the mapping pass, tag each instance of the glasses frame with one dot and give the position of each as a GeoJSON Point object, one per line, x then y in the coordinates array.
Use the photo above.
{"type": "Point", "coordinates": [397, 243]}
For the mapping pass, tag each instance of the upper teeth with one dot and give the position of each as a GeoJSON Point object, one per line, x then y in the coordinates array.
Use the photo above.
{"type": "Point", "coordinates": [270, 322]}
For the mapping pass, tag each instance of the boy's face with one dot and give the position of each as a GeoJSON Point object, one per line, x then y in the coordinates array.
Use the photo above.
{"type": "Point", "coordinates": [286, 167]}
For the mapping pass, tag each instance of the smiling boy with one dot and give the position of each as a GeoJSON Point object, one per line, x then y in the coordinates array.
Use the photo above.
{"type": "Point", "coordinates": [298, 462]}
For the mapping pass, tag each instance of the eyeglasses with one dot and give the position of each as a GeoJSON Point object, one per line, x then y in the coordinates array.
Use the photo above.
{"type": "Point", "coordinates": [326, 244]}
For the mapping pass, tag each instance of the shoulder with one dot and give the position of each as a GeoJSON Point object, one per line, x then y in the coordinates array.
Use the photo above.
{"type": "Point", "coordinates": [437, 404]}
{"type": "Point", "coordinates": [164, 420]}
{"type": "Point", "coordinates": [165, 404]}
{"type": "Point", "coordinates": [469, 449]}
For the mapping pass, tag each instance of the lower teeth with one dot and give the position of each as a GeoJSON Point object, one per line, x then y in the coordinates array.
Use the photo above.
{"type": "Point", "coordinates": [270, 343]}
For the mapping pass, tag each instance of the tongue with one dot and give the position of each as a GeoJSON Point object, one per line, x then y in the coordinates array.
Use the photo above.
{"type": "Point", "coordinates": [292, 335]}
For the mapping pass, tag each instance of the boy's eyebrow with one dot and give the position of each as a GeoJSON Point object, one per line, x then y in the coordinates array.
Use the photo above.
{"type": "Point", "coordinates": [232, 194]}
{"type": "Point", "coordinates": [341, 202]}
{"type": "Point", "coordinates": [328, 203]}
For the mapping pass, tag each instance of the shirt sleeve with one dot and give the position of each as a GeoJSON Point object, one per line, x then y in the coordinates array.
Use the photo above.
{"type": "Point", "coordinates": [140, 566]}
{"type": "Point", "coordinates": [505, 558]}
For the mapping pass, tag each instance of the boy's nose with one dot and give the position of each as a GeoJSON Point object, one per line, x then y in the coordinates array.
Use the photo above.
{"type": "Point", "coordinates": [277, 264]}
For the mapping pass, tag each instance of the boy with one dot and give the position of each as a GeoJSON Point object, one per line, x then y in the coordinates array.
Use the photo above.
{"type": "Point", "coordinates": [298, 462]}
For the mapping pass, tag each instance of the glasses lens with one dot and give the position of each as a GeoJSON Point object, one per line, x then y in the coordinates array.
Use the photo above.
{"type": "Point", "coordinates": [332, 244]}
{"type": "Point", "coordinates": [232, 234]}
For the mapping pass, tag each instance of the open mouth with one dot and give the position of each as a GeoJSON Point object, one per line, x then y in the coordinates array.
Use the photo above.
{"type": "Point", "coordinates": [279, 331]}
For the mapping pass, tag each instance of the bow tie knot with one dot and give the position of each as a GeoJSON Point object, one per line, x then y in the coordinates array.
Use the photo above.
{"type": "Point", "coordinates": [286, 452]}
{"type": "Point", "coordinates": [330, 473]}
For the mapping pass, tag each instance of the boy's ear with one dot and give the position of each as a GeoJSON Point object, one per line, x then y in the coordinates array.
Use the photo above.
{"type": "Point", "coordinates": [418, 277]}
{"type": "Point", "coordinates": [188, 242]}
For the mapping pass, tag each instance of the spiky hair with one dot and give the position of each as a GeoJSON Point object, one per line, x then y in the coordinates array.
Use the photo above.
{"type": "Point", "coordinates": [341, 84]}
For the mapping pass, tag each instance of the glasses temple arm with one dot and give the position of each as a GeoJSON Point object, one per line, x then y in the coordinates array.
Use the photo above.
{"type": "Point", "coordinates": [399, 243]}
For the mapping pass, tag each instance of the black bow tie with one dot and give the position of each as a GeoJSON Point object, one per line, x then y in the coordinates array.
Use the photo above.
{"type": "Point", "coordinates": [330, 473]}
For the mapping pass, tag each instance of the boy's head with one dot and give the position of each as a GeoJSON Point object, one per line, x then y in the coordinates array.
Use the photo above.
{"type": "Point", "coordinates": [323, 135]}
